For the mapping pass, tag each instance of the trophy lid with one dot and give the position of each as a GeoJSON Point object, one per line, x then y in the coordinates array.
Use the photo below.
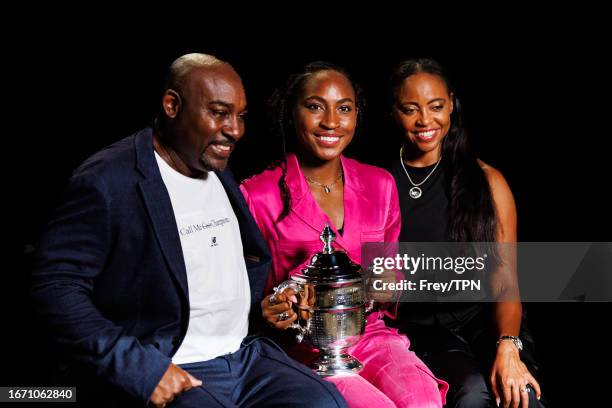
{"type": "Point", "coordinates": [330, 264]}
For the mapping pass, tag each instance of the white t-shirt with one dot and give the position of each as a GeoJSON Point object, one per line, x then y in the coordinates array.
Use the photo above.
{"type": "Point", "coordinates": [219, 293]}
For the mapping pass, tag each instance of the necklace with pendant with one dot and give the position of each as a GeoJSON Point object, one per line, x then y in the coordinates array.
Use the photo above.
{"type": "Point", "coordinates": [415, 191]}
{"type": "Point", "coordinates": [326, 187]}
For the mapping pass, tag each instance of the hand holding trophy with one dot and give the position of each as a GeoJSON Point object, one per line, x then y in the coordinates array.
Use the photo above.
{"type": "Point", "coordinates": [331, 307]}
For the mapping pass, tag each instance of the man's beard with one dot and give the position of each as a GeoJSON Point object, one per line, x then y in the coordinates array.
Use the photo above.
{"type": "Point", "coordinates": [209, 166]}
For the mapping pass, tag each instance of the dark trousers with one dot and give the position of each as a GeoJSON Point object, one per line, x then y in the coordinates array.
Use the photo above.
{"type": "Point", "coordinates": [461, 351]}
{"type": "Point", "coordinates": [259, 374]}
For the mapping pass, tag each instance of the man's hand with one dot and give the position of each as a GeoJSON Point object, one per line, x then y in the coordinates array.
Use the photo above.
{"type": "Point", "coordinates": [174, 382]}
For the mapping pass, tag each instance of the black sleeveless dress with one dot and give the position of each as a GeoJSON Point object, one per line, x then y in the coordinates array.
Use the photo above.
{"type": "Point", "coordinates": [425, 219]}
{"type": "Point", "coordinates": [456, 340]}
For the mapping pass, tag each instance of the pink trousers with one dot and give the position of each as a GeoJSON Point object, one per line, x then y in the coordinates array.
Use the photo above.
{"type": "Point", "coordinates": [392, 375]}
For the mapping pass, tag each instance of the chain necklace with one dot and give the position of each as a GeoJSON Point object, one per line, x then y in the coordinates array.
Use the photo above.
{"type": "Point", "coordinates": [416, 192]}
{"type": "Point", "coordinates": [326, 187]}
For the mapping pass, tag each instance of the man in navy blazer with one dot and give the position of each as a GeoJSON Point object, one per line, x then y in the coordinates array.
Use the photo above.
{"type": "Point", "coordinates": [114, 280]}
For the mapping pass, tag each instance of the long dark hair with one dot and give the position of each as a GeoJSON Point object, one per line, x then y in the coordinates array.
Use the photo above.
{"type": "Point", "coordinates": [281, 106]}
{"type": "Point", "coordinates": [471, 213]}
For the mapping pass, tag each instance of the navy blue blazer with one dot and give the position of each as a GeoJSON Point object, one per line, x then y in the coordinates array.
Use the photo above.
{"type": "Point", "coordinates": [109, 277]}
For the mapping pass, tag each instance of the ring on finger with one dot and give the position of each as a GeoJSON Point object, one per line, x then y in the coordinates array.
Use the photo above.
{"type": "Point", "coordinates": [272, 299]}
{"type": "Point", "coordinates": [283, 316]}
{"type": "Point", "coordinates": [524, 388]}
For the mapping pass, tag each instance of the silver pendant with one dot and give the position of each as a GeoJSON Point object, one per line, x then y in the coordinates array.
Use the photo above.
{"type": "Point", "coordinates": [415, 192]}
{"type": "Point", "coordinates": [327, 189]}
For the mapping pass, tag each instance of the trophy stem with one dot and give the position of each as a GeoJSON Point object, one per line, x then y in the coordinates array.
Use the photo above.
{"type": "Point", "coordinates": [336, 362]}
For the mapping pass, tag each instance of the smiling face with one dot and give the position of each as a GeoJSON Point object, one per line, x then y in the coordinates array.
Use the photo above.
{"type": "Point", "coordinates": [207, 117]}
{"type": "Point", "coordinates": [325, 115]}
{"type": "Point", "coordinates": [423, 108]}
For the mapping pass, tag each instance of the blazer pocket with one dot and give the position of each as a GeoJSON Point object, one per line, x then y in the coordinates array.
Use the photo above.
{"type": "Point", "coordinates": [373, 236]}
{"type": "Point", "coordinates": [294, 255]}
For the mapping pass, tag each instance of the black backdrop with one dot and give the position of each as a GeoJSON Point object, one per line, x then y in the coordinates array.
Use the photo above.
{"type": "Point", "coordinates": [536, 105]}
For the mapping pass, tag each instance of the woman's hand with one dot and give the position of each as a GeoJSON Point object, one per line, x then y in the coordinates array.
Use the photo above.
{"type": "Point", "coordinates": [510, 377]}
{"type": "Point", "coordinates": [306, 301]}
{"type": "Point", "coordinates": [277, 309]}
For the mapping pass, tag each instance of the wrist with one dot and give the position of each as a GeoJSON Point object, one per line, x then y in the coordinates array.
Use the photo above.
{"type": "Point", "coordinates": [510, 342]}
{"type": "Point", "coordinates": [506, 347]}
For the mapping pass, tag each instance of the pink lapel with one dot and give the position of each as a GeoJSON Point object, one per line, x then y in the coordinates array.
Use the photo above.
{"type": "Point", "coordinates": [354, 205]}
{"type": "Point", "coordinates": [305, 207]}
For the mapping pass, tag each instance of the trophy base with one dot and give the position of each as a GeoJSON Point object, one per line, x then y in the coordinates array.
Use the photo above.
{"type": "Point", "coordinates": [328, 364]}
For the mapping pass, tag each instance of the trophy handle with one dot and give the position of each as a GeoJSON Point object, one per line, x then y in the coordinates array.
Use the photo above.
{"type": "Point", "coordinates": [369, 306]}
{"type": "Point", "coordinates": [370, 301]}
{"type": "Point", "coordinates": [298, 288]}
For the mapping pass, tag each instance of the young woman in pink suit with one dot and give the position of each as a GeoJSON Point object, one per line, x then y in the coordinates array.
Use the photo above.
{"type": "Point", "coordinates": [316, 185]}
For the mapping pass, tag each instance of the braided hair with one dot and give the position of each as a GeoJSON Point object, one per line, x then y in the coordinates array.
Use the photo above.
{"type": "Point", "coordinates": [281, 107]}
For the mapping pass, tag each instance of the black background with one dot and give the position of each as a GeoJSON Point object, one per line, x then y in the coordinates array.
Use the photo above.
{"type": "Point", "coordinates": [536, 100]}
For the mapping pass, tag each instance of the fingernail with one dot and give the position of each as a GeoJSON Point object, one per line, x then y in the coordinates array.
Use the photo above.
{"type": "Point", "coordinates": [497, 401]}
{"type": "Point", "coordinates": [293, 298]}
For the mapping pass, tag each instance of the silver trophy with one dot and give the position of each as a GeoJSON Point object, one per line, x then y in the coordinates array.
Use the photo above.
{"type": "Point", "coordinates": [332, 309]}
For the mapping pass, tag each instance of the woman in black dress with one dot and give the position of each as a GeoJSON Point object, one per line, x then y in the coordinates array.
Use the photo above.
{"type": "Point", "coordinates": [448, 195]}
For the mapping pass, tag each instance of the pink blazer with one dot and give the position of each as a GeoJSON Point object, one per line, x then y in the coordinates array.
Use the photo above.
{"type": "Point", "coordinates": [371, 214]}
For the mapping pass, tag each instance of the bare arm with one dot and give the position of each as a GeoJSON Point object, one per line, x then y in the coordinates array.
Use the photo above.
{"type": "Point", "coordinates": [509, 375]}
{"type": "Point", "coordinates": [507, 312]}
